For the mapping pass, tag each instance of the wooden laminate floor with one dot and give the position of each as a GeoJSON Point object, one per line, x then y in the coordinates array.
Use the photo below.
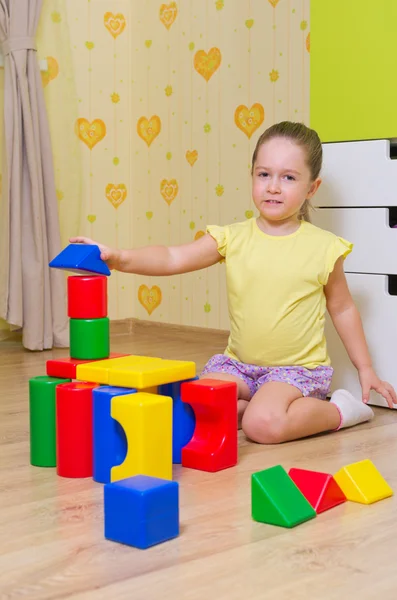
{"type": "Point", "coordinates": [51, 529]}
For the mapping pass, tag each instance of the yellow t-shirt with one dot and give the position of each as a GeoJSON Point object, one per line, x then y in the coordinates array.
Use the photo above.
{"type": "Point", "coordinates": [276, 292]}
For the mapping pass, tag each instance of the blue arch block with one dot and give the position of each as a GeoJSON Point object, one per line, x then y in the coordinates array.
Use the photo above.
{"type": "Point", "coordinates": [109, 441]}
{"type": "Point", "coordinates": [183, 419]}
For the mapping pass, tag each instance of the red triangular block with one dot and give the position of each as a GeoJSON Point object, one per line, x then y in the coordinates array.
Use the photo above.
{"type": "Point", "coordinates": [320, 489]}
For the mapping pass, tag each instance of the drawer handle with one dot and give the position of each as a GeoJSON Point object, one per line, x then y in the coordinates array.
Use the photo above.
{"type": "Point", "coordinates": [392, 285]}
{"type": "Point", "coordinates": [392, 216]}
{"type": "Point", "coordinates": [393, 148]}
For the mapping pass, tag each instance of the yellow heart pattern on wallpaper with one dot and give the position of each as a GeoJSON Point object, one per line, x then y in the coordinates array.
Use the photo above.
{"type": "Point", "coordinates": [169, 190]}
{"type": "Point", "coordinates": [274, 3]}
{"type": "Point", "coordinates": [206, 64]}
{"type": "Point", "coordinates": [90, 133]}
{"type": "Point", "coordinates": [52, 71]}
{"type": "Point", "coordinates": [116, 194]}
{"type": "Point", "coordinates": [168, 13]}
{"type": "Point", "coordinates": [148, 129]}
{"type": "Point", "coordinates": [115, 24]}
{"type": "Point", "coordinates": [249, 119]}
{"type": "Point", "coordinates": [191, 156]}
{"type": "Point", "coordinates": [91, 218]}
{"type": "Point", "coordinates": [149, 298]}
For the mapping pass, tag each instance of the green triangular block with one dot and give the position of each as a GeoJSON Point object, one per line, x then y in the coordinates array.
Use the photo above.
{"type": "Point", "coordinates": [276, 500]}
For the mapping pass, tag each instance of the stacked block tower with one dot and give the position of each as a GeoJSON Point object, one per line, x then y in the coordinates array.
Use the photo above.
{"type": "Point", "coordinates": [120, 417]}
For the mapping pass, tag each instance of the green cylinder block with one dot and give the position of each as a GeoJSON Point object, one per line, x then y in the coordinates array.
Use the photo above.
{"type": "Point", "coordinates": [89, 338]}
{"type": "Point", "coordinates": [42, 420]}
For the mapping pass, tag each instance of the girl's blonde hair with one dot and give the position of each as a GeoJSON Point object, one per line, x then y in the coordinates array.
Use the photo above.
{"type": "Point", "coordinates": [306, 138]}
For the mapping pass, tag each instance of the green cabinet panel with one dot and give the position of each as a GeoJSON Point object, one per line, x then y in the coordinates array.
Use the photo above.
{"type": "Point", "coordinates": [353, 69]}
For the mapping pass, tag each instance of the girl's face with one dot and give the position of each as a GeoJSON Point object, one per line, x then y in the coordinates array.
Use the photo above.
{"type": "Point", "coordinates": [281, 180]}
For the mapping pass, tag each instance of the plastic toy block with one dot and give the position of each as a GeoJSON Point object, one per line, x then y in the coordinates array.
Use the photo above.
{"type": "Point", "coordinates": [147, 423]}
{"type": "Point", "coordinates": [276, 500]}
{"type": "Point", "coordinates": [362, 482]}
{"type": "Point", "coordinates": [320, 489]}
{"type": "Point", "coordinates": [110, 443]}
{"type": "Point", "coordinates": [87, 297]}
{"type": "Point", "coordinates": [148, 373]}
{"type": "Point", "coordinates": [42, 420]}
{"type": "Point", "coordinates": [183, 419]}
{"type": "Point", "coordinates": [214, 443]}
{"type": "Point", "coordinates": [74, 429]}
{"type": "Point", "coordinates": [66, 367]}
{"type": "Point", "coordinates": [89, 338]}
{"type": "Point", "coordinates": [141, 511]}
{"type": "Point", "coordinates": [151, 390]}
{"type": "Point", "coordinates": [98, 372]}
{"type": "Point", "coordinates": [81, 258]}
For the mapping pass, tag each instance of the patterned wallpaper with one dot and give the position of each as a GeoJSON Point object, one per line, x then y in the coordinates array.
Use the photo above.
{"type": "Point", "coordinates": [171, 99]}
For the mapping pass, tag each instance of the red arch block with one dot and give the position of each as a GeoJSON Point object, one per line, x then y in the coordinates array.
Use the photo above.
{"type": "Point", "coordinates": [214, 443]}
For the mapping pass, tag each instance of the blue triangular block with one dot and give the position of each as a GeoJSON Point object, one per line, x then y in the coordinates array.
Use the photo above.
{"type": "Point", "coordinates": [81, 258]}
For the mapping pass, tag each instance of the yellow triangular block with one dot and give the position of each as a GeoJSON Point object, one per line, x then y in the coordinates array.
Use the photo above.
{"type": "Point", "coordinates": [362, 482]}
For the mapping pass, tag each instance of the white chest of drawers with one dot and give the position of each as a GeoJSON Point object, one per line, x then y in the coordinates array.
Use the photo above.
{"type": "Point", "coordinates": [356, 201]}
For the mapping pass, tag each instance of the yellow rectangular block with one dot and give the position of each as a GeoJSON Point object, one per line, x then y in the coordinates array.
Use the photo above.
{"type": "Point", "coordinates": [147, 374]}
{"type": "Point", "coordinates": [362, 482]}
{"type": "Point", "coordinates": [147, 423]}
{"type": "Point", "coordinates": [98, 371]}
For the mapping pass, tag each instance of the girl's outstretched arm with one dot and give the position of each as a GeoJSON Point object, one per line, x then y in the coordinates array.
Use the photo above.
{"type": "Point", "coordinates": [347, 322]}
{"type": "Point", "coordinates": [159, 260]}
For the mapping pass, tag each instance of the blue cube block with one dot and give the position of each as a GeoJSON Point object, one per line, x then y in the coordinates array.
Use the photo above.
{"type": "Point", "coordinates": [108, 436]}
{"type": "Point", "coordinates": [141, 511]}
{"type": "Point", "coordinates": [81, 258]}
{"type": "Point", "coordinates": [183, 418]}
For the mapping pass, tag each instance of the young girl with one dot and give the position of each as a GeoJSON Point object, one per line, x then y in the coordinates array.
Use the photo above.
{"type": "Point", "coordinates": [282, 274]}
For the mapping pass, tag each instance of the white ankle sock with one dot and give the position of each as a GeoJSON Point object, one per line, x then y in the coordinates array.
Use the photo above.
{"type": "Point", "coordinates": [351, 411]}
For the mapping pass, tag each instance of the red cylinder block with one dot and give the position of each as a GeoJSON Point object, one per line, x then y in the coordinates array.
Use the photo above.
{"type": "Point", "coordinates": [74, 429]}
{"type": "Point", "coordinates": [87, 297]}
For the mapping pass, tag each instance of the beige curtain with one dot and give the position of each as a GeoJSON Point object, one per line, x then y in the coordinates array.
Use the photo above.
{"type": "Point", "coordinates": [31, 295]}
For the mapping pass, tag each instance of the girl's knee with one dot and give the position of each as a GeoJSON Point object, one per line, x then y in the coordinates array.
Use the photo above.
{"type": "Point", "coordinates": [264, 429]}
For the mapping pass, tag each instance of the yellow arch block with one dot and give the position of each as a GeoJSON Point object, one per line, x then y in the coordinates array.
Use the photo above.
{"type": "Point", "coordinates": [362, 482]}
{"type": "Point", "coordinates": [147, 423]}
